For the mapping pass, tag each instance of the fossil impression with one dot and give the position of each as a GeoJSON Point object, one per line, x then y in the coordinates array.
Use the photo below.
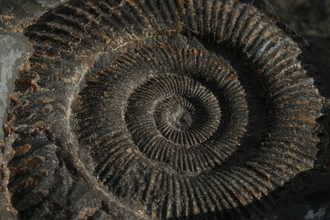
{"type": "Point", "coordinates": [159, 109]}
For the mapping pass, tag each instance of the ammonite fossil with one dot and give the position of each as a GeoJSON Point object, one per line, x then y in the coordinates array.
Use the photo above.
{"type": "Point", "coordinates": [165, 109]}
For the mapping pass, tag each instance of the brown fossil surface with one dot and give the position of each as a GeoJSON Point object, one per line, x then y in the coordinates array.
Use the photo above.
{"type": "Point", "coordinates": [154, 109]}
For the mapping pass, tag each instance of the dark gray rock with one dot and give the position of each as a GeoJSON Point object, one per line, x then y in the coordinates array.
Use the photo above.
{"type": "Point", "coordinates": [13, 51]}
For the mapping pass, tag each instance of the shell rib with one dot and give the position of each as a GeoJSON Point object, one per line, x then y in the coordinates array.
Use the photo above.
{"type": "Point", "coordinates": [166, 109]}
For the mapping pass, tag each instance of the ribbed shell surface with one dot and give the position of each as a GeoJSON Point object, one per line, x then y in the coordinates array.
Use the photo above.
{"type": "Point", "coordinates": [165, 109]}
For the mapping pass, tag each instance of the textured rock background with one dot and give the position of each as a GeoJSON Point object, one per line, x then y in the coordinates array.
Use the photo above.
{"type": "Point", "coordinates": [309, 18]}
{"type": "Point", "coordinates": [14, 16]}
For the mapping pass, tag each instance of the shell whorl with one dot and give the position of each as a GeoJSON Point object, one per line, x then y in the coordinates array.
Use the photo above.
{"type": "Point", "coordinates": [186, 108]}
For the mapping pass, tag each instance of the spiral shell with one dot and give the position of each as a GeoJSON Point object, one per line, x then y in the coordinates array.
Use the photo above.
{"type": "Point", "coordinates": [169, 109]}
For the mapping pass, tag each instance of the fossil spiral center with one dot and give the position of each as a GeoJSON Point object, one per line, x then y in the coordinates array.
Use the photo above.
{"type": "Point", "coordinates": [181, 118]}
{"type": "Point", "coordinates": [178, 108]}
{"type": "Point", "coordinates": [188, 116]}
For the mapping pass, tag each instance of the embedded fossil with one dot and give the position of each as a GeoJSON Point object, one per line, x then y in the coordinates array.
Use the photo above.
{"type": "Point", "coordinates": [165, 109]}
